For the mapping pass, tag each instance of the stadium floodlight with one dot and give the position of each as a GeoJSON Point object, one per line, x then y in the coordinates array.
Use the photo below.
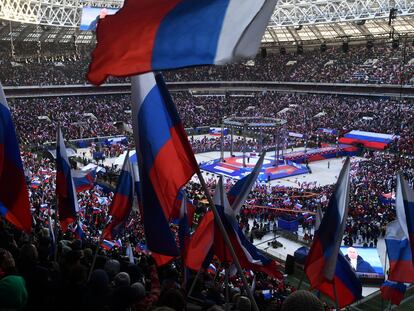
{"type": "Point", "coordinates": [392, 16]}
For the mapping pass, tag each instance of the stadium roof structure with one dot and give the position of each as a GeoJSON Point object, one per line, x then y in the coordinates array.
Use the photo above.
{"type": "Point", "coordinates": [294, 22]}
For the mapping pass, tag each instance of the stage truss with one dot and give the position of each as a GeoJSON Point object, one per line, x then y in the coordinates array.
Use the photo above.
{"type": "Point", "coordinates": [265, 125]}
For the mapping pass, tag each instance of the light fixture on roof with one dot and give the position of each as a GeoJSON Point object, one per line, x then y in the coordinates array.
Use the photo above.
{"type": "Point", "coordinates": [393, 15]}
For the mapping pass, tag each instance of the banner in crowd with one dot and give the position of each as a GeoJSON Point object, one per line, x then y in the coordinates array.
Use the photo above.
{"type": "Point", "coordinates": [292, 225]}
{"type": "Point", "coordinates": [368, 139]}
{"type": "Point", "coordinates": [328, 131]}
{"type": "Point", "coordinates": [297, 135]}
{"type": "Point", "coordinates": [216, 131]}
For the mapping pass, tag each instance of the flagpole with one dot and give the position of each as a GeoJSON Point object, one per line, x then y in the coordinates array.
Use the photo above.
{"type": "Point", "coordinates": [301, 280]}
{"type": "Point", "coordinates": [385, 275]}
{"type": "Point", "coordinates": [336, 297]}
{"type": "Point", "coordinates": [97, 249]}
{"type": "Point", "coordinates": [226, 239]}
{"type": "Point", "coordinates": [194, 283]}
{"type": "Point", "coordinates": [226, 280]}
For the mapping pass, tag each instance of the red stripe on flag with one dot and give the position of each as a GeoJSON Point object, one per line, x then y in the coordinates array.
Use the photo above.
{"type": "Point", "coordinates": [200, 242]}
{"type": "Point", "coordinates": [121, 40]}
{"type": "Point", "coordinates": [171, 170]}
{"type": "Point", "coordinates": [14, 194]}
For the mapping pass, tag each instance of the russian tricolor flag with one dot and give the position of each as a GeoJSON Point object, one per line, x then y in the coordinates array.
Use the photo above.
{"type": "Point", "coordinates": [399, 254]}
{"type": "Point", "coordinates": [325, 268]}
{"type": "Point", "coordinates": [166, 160]}
{"type": "Point", "coordinates": [404, 205]}
{"type": "Point", "coordinates": [84, 180]}
{"type": "Point", "coordinates": [148, 35]}
{"type": "Point", "coordinates": [122, 201]}
{"type": "Point", "coordinates": [200, 243]}
{"type": "Point", "coordinates": [79, 234]}
{"type": "Point", "coordinates": [107, 245]}
{"type": "Point", "coordinates": [393, 291]}
{"type": "Point", "coordinates": [190, 208]}
{"type": "Point", "coordinates": [65, 187]}
{"type": "Point", "coordinates": [14, 197]}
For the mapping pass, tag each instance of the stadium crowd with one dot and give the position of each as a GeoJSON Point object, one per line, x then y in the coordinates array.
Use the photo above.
{"type": "Point", "coordinates": [54, 272]}
{"type": "Point", "coordinates": [67, 64]}
{"type": "Point", "coordinates": [49, 270]}
{"type": "Point", "coordinates": [99, 116]}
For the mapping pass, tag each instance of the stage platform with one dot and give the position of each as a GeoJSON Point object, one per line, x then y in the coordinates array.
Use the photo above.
{"type": "Point", "coordinates": [233, 167]}
{"type": "Point", "coordinates": [290, 165]}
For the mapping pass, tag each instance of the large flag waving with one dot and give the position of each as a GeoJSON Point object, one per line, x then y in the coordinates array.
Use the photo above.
{"type": "Point", "coordinates": [14, 197]}
{"type": "Point", "coordinates": [65, 187]}
{"type": "Point", "coordinates": [399, 254]}
{"type": "Point", "coordinates": [404, 205]}
{"type": "Point", "coordinates": [325, 268]}
{"type": "Point", "coordinates": [148, 35]}
{"type": "Point", "coordinates": [122, 201]}
{"type": "Point", "coordinates": [166, 160]}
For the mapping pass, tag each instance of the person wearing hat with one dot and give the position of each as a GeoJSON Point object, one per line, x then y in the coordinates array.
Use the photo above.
{"type": "Point", "coordinates": [302, 300]}
{"type": "Point", "coordinates": [145, 301]}
{"type": "Point", "coordinates": [13, 293]}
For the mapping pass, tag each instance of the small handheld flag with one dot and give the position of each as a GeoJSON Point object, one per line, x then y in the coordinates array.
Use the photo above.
{"type": "Point", "coordinates": [65, 187]}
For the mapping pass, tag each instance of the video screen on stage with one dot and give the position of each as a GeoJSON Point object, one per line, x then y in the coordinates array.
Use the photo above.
{"type": "Point", "coordinates": [90, 16]}
{"type": "Point", "coordinates": [365, 261]}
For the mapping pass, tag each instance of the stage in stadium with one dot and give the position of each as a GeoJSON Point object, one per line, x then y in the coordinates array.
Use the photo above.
{"type": "Point", "coordinates": [291, 165]}
{"type": "Point", "coordinates": [233, 167]}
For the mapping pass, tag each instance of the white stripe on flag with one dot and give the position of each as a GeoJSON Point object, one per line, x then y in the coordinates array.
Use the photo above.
{"type": "Point", "coordinates": [243, 28]}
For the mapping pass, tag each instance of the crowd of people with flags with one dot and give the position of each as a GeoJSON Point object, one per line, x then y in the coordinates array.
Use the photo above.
{"type": "Point", "coordinates": [158, 241]}
{"type": "Point", "coordinates": [62, 64]}
{"type": "Point", "coordinates": [92, 116]}
{"type": "Point", "coordinates": [370, 178]}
